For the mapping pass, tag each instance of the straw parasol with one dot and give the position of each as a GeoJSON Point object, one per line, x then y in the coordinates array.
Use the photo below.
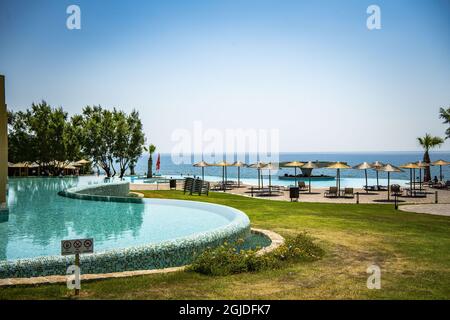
{"type": "Point", "coordinates": [338, 166]}
{"type": "Point", "coordinates": [364, 166]}
{"type": "Point", "coordinates": [377, 165]}
{"type": "Point", "coordinates": [440, 163]}
{"type": "Point", "coordinates": [82, 162]}
{"type": "Point", "coordinates": [258, 165]}
{"type": "Point", "coordinates": [202, 164]}
{"type": "Point", "coordinates": [239, 165]}
{"type": "Point", "coordinates": [295, 165]}
{"type": "Point", "coordinates": [310, 165]}
{"type": "Point", "coordinates": [224, 166]}
{"type": "Point", "coordinates": [270, 166]}
{"type": "Point", "coordinates": [421, 165]}
{"type": "Point", "coordinates": [389, 168]}
{"type": "Point", "coordinates": [412, 169]}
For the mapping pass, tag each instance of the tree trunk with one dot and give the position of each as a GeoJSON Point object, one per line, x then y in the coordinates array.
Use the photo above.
{"type": "Point", "coordinates": [427, 171]}
{"type": "Point", "coordinates": [150, 167]}
{"type": "Point", "coordinates": [132, 173]}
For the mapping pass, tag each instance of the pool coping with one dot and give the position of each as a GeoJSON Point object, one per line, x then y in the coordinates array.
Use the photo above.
{"type": "Point", "coordinates": [277, 240]}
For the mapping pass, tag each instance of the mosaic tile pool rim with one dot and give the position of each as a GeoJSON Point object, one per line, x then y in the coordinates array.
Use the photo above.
{"type": "Point", "coordinates": [169, 253]}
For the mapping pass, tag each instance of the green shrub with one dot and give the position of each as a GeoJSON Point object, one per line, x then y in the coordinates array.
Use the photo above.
{"type": "Point", "coordinates": [229, 259]}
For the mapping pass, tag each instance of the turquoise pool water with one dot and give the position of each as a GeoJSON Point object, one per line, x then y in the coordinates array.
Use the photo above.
{"type": "Point", "coordinates": [39, 219]}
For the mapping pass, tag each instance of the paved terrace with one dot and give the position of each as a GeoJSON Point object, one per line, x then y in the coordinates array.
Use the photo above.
{"type": "Point", "coordinates": [317, 195]}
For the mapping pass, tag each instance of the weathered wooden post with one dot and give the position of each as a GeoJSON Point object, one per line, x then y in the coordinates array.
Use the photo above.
{"type": "Point", "coordinates": [3, 146]}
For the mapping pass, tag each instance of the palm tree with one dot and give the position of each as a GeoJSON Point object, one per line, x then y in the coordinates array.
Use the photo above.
{"type": "Point", "coordinates": [445, 114]}
{"type": "Point", "coordinates": [151, 149]}
{"type": "Point", "coordinates": [429, 142]}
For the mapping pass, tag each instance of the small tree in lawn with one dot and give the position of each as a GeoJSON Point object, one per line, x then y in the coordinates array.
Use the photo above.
{"type": "Point", "coordinates": [151, 149]}
{"type": "Point", "coordinates": [429, 142]}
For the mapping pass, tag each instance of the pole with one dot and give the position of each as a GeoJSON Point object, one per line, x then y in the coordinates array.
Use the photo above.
{"type": "Point", "coordinates": [414, 179]}
{"type": "Point", "coordinates": [203, 173]}
{"type": "Point", "coordinates": [295, 176]}
{"type": "Point", "coordinates": [440, 174]}
{"type": "Point", "coordinates": [367, 187]}
{"type": "Point", "coordinates": [420, 178]}
{"type": "Point", "coordinates": [3, 146]}
{"type": "Point", "coordinates": [309, 183]}
{"type": "Point", "coordinates": [389, 186]}
{"type": "Point", "coordinates": [77, 264]}
{"type": "Point", "coordinates": [378, 183]}
{"type": "Point", "coordinates": [270, 183]}
{"type": "Point", "coordinates": [239, 177]}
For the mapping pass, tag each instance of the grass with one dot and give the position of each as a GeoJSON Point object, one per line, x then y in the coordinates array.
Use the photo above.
{"type": "Point", "coordinates": [412, 250]}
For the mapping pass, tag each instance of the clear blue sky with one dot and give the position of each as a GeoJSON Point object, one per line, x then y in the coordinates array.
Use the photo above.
{"type": "Point", "coordinates": [310, 68]}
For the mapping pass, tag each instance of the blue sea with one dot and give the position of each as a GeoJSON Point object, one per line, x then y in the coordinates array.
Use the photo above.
{"type": "Point", "coordinates": [350, 177]}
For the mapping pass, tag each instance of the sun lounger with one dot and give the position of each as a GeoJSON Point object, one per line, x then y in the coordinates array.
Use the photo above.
{"type": "Point", "coordinates": [348, 193]}
{"type": "Point", "coordinates": [302, 186]}
{"type": "Point", "coordinates": [331, 193]}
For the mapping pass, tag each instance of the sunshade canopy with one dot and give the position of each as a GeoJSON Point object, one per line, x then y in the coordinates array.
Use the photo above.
{"type": "Point", "coordinates": [294, 164]}
{"type": "Point", "coordinates": [338, 165]}
{"type": "Point", "coordinates": [310, 165]}
{"type": "Point", "coordinates": [410, 165]}
{"type": "Point", "coordinates": [83, 161]}
{"type": "Point", "coordinates": [422, 164]}
{"type": "Point", "coordinates": [377, 164]}
{"type": "Point", "coordinates": [257, 165]}
{"type": "Point", "coordinates": [270, 166]}
{"type": "Point", "coordinates": [363, 166]}
{"type": "Point", "coordinates": [390, 168]}
{"type": "Point", "coordinates": [201, 164]}
{"type": "Point", "coordinates": [222, 164]}
{"type": "Point", "coordinates": [440, 163]}
{"type": "Point", "coordinates": [239, 164]}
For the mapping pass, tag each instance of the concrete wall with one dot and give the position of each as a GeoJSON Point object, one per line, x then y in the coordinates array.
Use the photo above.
{"type": "Point", "coordinates": [3, 146]}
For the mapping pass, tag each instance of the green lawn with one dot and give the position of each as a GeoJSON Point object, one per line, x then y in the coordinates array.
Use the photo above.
{"type": "Point", "coordinates": [413, 251]}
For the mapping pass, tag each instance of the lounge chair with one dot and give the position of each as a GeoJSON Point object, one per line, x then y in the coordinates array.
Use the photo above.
{"type": "Point", "coordinates": [348, 193]}
{"type": "Point", "coordinates": [302, 186]}
{"type": "Point", "coordinates": [331, 193]}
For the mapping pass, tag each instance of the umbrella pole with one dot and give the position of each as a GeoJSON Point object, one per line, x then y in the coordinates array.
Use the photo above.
{"type": "Point", "coordinates": [440, 173]}
{"type": "Point", "coordinates": [378, 183]}
{"type": "Point", "coordinates": [239, 177]}
{"type": "Point", "coordinates": [367, 189]}
{"type": "Point", "coordinates": [389, 186]}
{"type": "Point", "coordinates": [414, 179]}
{"type": "Point", "coordinates": [295, 175]}
{"type": "Point", "coordinates": [420, 179]}
{"type": "Point", "coordinates": [203, 173]}
{"type": "Point", "coordinates": [270, 183]}
{"type": "Point", "coordinates": [309, 183]}
{"type": "Point", "coordinates": [223, 179]}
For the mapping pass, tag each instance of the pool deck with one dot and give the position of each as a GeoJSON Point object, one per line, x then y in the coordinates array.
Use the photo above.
{"type": "Point", "coordinates": [317, 195]}
{"type": "Point", "coordinates": [436, 209]}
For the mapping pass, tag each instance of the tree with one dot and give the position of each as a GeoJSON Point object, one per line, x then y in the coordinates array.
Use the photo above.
{"type": "Point", "coordinates": [429, 142]}
{"type": "Point", "coordinates": [445, 114]}
{"type": "Point", "coordinates": [129, 139]}
{"type": "Point", "coordinates": [43, 135]}
{"type": "Point", "coordinates": [112, 137]}
{"type": "Point", "coordinates": [151, 149]}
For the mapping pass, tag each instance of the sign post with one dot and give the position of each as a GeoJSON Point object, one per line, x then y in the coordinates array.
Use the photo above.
{"type": "Point", "coordinates": [77, 247]}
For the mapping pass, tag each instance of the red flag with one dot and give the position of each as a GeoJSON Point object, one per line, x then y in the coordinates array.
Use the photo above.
{"type": "Point", "coordinates": [158, 162]}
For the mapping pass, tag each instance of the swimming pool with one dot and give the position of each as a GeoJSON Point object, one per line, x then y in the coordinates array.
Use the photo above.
{"type": "Point", "coordinates": [128, 236]}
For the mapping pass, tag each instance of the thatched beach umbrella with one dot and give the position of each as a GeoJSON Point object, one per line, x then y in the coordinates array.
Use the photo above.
{"type": "Point", "coordinates": [377, 165]}
{"type": "Point", "coordinates": [364, 166]}
{"type": "Point", "coordinates": [412, 169]}
{"type": "Point", "coordinates": [310, 165]}
{"type": "Point", "coordinates": [202, 164]}
{"type": "Point", "coordinates": [389, 168]}
{"type": "Point", "coordinates": [82, 162]}
{"type": "Point", "coordinates": [270, 166]}
{"type": "Point", "coordinates": [440, 163]}
{"type": "Point", "coordinates": [224, 166]}
{"type": "Point", "coordinates": [295, 165]}
{"type": "Point", "coordinates": [421, 165]}
{"type": "Point", "coordinates": [239, 165]}
{"type": "Point", "coordinates": [338, 166]}
{"type": "Point", "coordinates": [258, 165]}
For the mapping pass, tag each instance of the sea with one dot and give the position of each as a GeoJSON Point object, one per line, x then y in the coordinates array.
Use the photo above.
{"type": "Point", "coordinates": [350, 177]}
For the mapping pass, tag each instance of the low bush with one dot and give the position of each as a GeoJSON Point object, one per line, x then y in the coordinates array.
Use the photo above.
{"type": "Point", "coordinates": [229, 259]}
